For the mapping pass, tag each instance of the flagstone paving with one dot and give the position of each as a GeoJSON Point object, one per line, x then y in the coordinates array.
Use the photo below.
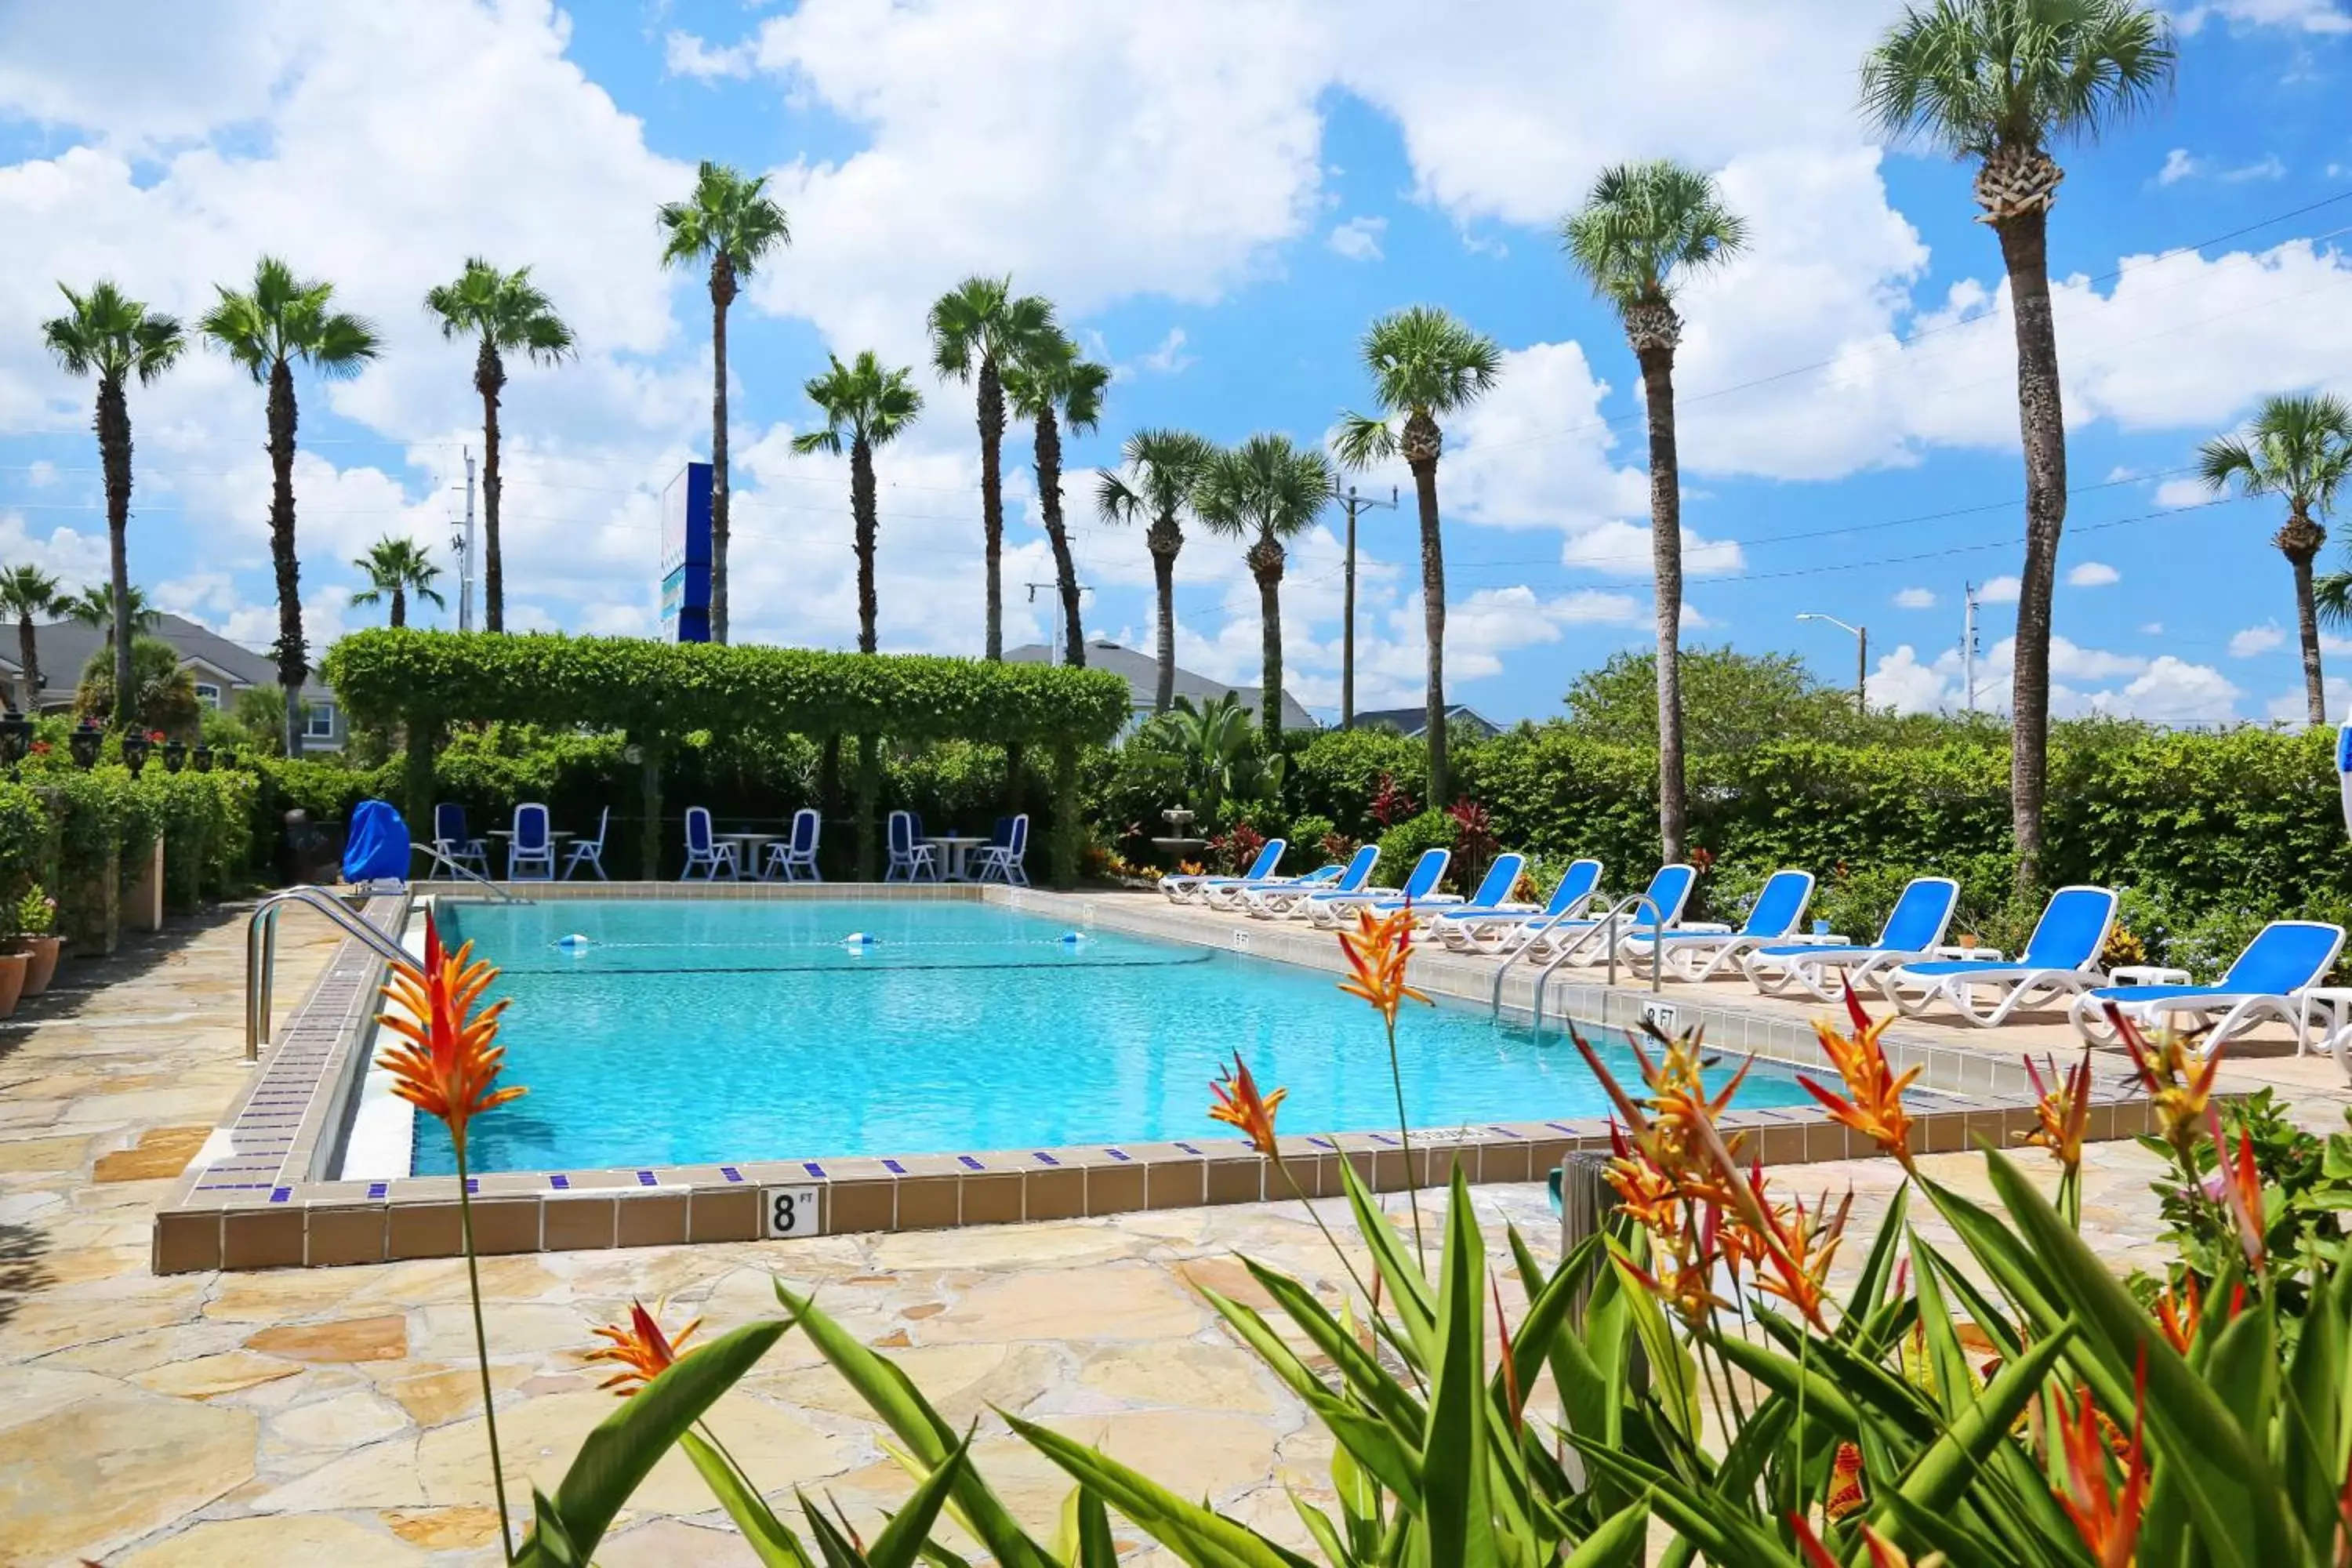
{"type": "Point", "coordinates": [333, 1416]}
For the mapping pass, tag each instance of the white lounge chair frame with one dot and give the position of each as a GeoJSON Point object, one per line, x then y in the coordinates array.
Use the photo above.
{"type": "Point", "coordinates": [2025, 985]}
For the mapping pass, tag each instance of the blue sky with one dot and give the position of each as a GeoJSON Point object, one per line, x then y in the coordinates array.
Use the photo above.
{"type": "Point", "coordinates": [1220, 195]}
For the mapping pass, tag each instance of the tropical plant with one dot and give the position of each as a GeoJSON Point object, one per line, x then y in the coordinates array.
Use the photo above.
{"type": "Point", "coordinates": [503, 313]}
{"type": "Point", "coordinates": [110, 336]}
{"type": "Point", "coordinates": [978, 328]}
{"type": "Point", "coordinates": [1424, 366]}
{"type": "Point", "coordinates": [163, 693]}
{"type": "Point", "coordinates": [2298, 448]}
{"type": "Point", "coordinates": [1215, 755]}
{"type": "Point", "coordinates": [1265, 491]}
{"type": "Point", "coordinates": [731, 223]}
{"type": "Point", "coordinates": [27, 593]}
{"type": "Point", "coordinates": [872, 405]}
{"type": "Point", "coordinates": [94, 607]}
{"type": "Point", "coordinates": [1644, 229]}
{"type": "Point", "coordinates": [395, 568]}
{"type": "Point", "coordinates": [1162, 466]}
{"type": "Point", "coordinates": [2004, 82]}
{"type": "Point", "coordinates": [280, 320]}
{"type": "Point", "coordinates": [1056, 388]}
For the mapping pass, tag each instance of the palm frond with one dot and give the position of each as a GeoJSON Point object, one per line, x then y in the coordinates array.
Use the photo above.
{"type": "Point", "coordinates": [109, 334]}
{"type": "Point", "coordinates": [1646, 225]}
{"type": "Point", "coordinates": [2298, 446]}
{"type": "Point", "coordinates": [1359, 440]}
{"type": "Point", "coordinates": [1970, 75]}
{"type": "Point", "coordinates": [863, 399]}
{"type": "Point", "coordinates": [1267, 488]}
{"type": "Point", "coordinates": [729, 214]}
{"type": "Point", "coordinates": [1423, 360]}
{"type": "Point", "coordinates": [2331, 593]}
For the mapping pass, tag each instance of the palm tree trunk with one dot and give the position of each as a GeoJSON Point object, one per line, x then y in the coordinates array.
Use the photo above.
{"type": "Point", "coordinates": [723, 294]}
{"type": "Point", "coordinates": [1265, 565]}
{"type": "Point", "coordinates": [293, 666]}
{"type": "Point", "coordinates": [2302, 531]}
{"type": "Point", "coordinates": [1065, 568]}
{"type": "Point", "coordinates": [1666, 565]}
{"type": "Point", "coordinates": [2041, 416]}
{"type": "Point", "coordinates": [114, 457]}
{"type": "Point", "coordinates": [861, 507]}
{"type": "Point", "coordinates": [1164, 578]}
{"type": "Point", "coordinates": [28, 661]}
{"type": "Point", "coordinates": [489, 376]}
{"type": "Point", "coordinates": [400, 609]}
{"type": "Point", "coordinates": [1432, 624]}
{"type": "Point", "coordinates": [992, 500]}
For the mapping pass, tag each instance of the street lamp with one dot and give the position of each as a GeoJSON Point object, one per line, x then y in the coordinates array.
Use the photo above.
{"type": "Point", "coordinates": [1861, 659]}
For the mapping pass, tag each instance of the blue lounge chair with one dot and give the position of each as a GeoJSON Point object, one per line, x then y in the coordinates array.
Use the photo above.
{"type": "Point", "coordinates": [1493, 891]}
{"type": "Point", "coordinates": [1193, 890]}
{"type": "Point", "coordinates": [2285, 959]}
{"type": "Point", "coordinates": [1332, 910]}
{"type": "Point", "coordinates": [704, 852]}
{"type": "Point", "coordinates": [532, 852]}
{"type": "Point", "coordinates": [457, 846]}
{"type": "Point", "coordinates": [797, 853]}
{"type": "Point", "coordinates": [1231, 895]}
{"type": "Point", "coordinates": [1274, 900]}
{"type": "Point", "coordinates": [910, 860]}
{"type": "Point", "coordinates": [1913, 930]}
{"type": "Point", "coordinates": [1506, 926]}
{"type": "Point", "coordinates": [2061, 958]}
{"type": "Point", "coordinates": [1696, 955]}
{"type": "Point", "coordinates": [1585, 940]}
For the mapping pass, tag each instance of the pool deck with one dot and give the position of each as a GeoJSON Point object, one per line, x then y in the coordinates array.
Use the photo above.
{"type": "Point", "coordinates": [330, 1414]}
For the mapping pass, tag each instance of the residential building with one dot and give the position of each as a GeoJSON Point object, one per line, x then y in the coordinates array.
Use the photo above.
{"type": "Point", "coordinates": [218, 668]}
{"type": "Point", "coordinates": [1141, 671]}
{"type": "Point", "coordinates": [1412, 721]}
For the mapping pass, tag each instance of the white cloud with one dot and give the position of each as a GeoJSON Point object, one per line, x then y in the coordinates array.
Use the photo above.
{"type": "Point", "coordinates": [1167, 358]}
{"type": "Point", "coordinates": [2309, 16]}
{"type": "Point", "coordinates": [2255, 640]}
{"type": "Point", "coordinates": [2174, 494]}
{"type": "Point", "coordinates": [2093, 574]}
{"type": "Point", "coordinates": [1358, 238]}
{"type": "Point", "coordinates": [2084, 681]}
{"type": "Point", "coordinates": [2178, 166]}
{"type": "Point", "coordinates": [2173, 692]}
{"type": "Point", "coordinates": [686, 55]}
{"type": "Point", "coordinates": [1916, 599]}
{"type": "Point", "coordinates": [2152, 629]}
{"type": "Point", "coordinates": [1623, 550]}
{"type": "Point", "coordinates": [1999, 591]}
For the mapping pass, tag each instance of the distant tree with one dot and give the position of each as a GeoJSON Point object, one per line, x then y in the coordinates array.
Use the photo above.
{"type": "Point", "coordinates": [1265, 491]}
{"type": "Point", "coordinates": [29, 594]}
{"type": "Point", "coordinates": [1732, 701]}
{"type": "Point", "coordinates": [871, 405]}
{"type": "Point", "coordinates": [1162, 466]}
{"type": "Point", "coordinates": [112, 337]}
{"type": "Point", "coordinates": [1057, 389]}
{"type": "Point", "coordinates": [94, 607]}
{"type": "Point", "coordinates": [2299, 449]}
{"type": "Point", "coordinates": [731, 223]}
{"type": "Point", "coordinates": [503, 313]}
{"type": "Point", "coordinates": [162, 694]}
{"type": "Point", "coordinates": [978, 328]}
{"type": "Point", "coordinates": [395, 568]}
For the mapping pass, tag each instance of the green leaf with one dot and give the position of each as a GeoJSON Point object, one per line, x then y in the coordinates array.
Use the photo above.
{"type": "Point", "coordinates": [1786, 1376]}
{"type": "Point", "coordinates": [1724, 1535]}
{"type": "Point", "coordinates": [1457, 1503]}
{"type": "Point", "coordinates": [1942, 1474]}
{"type": "Point", "coordinates": [1618, 1542]}
{"type": "Point", "coordinates": [771, 1540]}
{"type": "Point", "coordinates": [1327, 1535]}
{"type": "Point", "coordinates": [550, 1543]}
{"type": "Point", "coordinates": [1409, 1294]}
{"type": "Point", "coordinates": [2314, 1436]}
{"type": "Point", "coordinates": [1395, 1403]}
{"type": "Point", "coordinates": [902, 1539]}
{"type": "Point", "coordinates": [1872, 1390]}
{"type": "Point", "coordinates": [1878, 1269]}
{"type": "Point", "coordinates": [832, 1540]}
{"type": "Point", "coordinates": [1201, 1537]}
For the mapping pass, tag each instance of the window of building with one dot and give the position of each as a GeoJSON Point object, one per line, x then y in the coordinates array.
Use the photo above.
{"type": "Point", "coordinates": [319, 721]}
{"type": "Point", "coordinates": [208, 693]}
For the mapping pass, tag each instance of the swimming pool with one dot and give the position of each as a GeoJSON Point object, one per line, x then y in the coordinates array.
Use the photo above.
{"type": "Point", "coordinates": [686, 1032]}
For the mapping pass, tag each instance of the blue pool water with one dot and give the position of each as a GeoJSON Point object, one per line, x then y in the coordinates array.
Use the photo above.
{"type": "Point", "coordinates": [690, 1033]}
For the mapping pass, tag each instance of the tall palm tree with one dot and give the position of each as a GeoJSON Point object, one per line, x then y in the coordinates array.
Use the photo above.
{"type": "Point", "coordinates": [114, 337]}
{"type": "Point", "coordinates": [1644, 228]}
{"type": "Point", "coordinates": [1265, 491]}
{"type": "Point", "coordinates": [1423, 364]}
{"type": "Point", "coordinates": [872, 405]}
{"type": "Point", "coordinates": [27, 593]}
{"type": "Point", "coordinates": [729, 221]}
{"type": "Point", "coordinates": [1162, 466]}
{"type": "Point", "coordinates": [978, 328]}
{"type": "Point", "coordinates": [2298, 448]}
{"type": "Point", "coordinates": [280, 320]}
{"type": "Point", "coordinates": [94, 607]}
{"type": "Point", "coordinates": [395, 568]}
{"type": "Point", "coordinates": [2004, 82]}
{"type": "Point", "coordinates": [504, 313]}
{"type": "Point", "coordinates": [1056, 388]}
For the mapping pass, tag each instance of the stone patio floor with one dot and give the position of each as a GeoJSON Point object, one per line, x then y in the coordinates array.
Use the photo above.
{"type": "Point", "coordinates": [333, 1414]}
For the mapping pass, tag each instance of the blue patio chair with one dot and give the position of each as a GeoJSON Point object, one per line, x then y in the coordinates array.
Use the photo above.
{"type": "Point", "coordinates": [1006, 862]}
{"type": "Point", "coordinates": [532, 856]}
{"type": "Point", "coordinates": [704, 852]}
{"type": "Point", "coordinates": [1332, 910]}
{"type": "Point", "coordinates": [2061, 958]}
{"type": "Point", "coordinates": [1913, 930]}
{"type": "Point", "coordinates": [590, 852]}
{"type": "Point", "coordinates": [909, 861]}
{"type": "Point", "coordinates": [797, 853]}
{"type": "Point", "coordinates": [2285, 959]}
{"type": "Point", "coordinates": [1276, 899]}
{"type": "Point", "coordinates": [1195, 890]}
{"type": "Point", "coordinates": [451, 839]}
{"type": "Point", "coordinates": [1505, 927]}
{"type": "Point", "coordinates": [1586, 939]}
{"type": "Point", "coordinates": [1696, 955]}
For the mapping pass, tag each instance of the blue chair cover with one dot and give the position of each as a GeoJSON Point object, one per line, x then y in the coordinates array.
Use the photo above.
{"type": "Point", "coordinates": [376, 848]}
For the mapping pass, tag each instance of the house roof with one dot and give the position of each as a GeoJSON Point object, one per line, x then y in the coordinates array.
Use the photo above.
{"type": "Point", "coordinates": [1142, 673]}
{"type": "Point", "coordinates": [65, 647]}
{"type": "Point", "coordinates": [1412, 721]}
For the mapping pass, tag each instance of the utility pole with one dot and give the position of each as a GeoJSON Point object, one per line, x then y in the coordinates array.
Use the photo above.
{"type": "Point", "coordinates": [1968, 644]}
{"type": "Point", "coordinates": [465, 554]}
{"type": "Point", "coordinates": [1354, 503]}
{"type": "Point", "coordinates": [1053, 636]}
{"type": "Point", "coordinates": [1860, 659]}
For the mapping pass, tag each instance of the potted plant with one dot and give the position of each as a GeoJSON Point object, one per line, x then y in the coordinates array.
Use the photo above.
{"type": "Point", "coordinates": [13, 959]}
{"type": "Point", "coordinates": [36, 922]}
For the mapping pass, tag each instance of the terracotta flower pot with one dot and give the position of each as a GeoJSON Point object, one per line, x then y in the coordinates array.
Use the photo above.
{"type": "Point", "coordinates": [12, 980]}
{"type": "Point", "coordinates": [43, 953]}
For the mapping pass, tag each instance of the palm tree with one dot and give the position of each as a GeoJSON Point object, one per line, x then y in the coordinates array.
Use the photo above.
{"type": "Point", "coordinates": [2298, 448]}
{"type": "Point", "coordinates": [978, 328]}
{"type": "Point", "coordinates": [27, 593]}
{"type": "Point", "coordinates": [395, 568]}
{"type": "Point", "coordinates": [503, 312]}
{"type": "Point", "coordinates": [1162, 467]}
{"type": "Point", "coordinates": [111, 336]}
{"type": "Point", "coordinates": [283, 319]}
{"type": "Point", "coordinates": [2002, 82]}
{"type": "Point", "coordinates": [1054, 387]}
{"type": "Point", "coordinates": [1644, 228]}
{"type": "Point", "coordinates": [730, 222]}
{"type": "Point", "coordinates": [93, 606]}
{"type": "Point", "coordinates": [1265, 491]}
{"type": "Point", "coordinates": [1423, 363]}
{"type": "Point", "coordinates": [872, 405]}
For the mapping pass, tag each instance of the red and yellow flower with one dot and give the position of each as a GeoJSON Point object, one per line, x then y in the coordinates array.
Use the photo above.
{"type": "Point", "coordinates": [1239, 1104]}
{"type": "Point", "coordinates": [1873, 1102]}
{"type": "Point", "coordinates": [2108, 1520]}
{"type": "Point", "coordinates": [2180, 1083]}
{"type": "Point", "coordinates": [1378, 951]}
{"type": "Point", "coordinates": [2062, 1106]}
{"type": "Point", "coordinates": [1845, 1495]}
{"type": "Point", "coordinates": [640, 1348]}
{"type": "Point", "coordinates": [448, 1066]}
{"type": "Point", "coordinates": [2241, 1185]}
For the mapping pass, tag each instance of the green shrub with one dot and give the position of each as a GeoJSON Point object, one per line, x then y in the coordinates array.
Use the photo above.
{"type": "Point", "coordinates": [1307, 832]}
{"type": "Point", "coordinates": [1335, 773]}
{"type": "Point", "coordinates": [1403, 844]}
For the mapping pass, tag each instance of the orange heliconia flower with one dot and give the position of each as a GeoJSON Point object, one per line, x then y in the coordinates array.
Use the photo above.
{"type": "Point", "coordinates": [2107, 1521]}
{"type": "Point", "coordinates": [1793, 1248]}
{"type": "Point", "coordinates": [1239, 1104]}
{"type": "Point", "coordinates": [1873, 1102]}
{"type": "Point", "coordinates": [1845, 1484]}
{"type": "Point", "coordinates": [643, 1351]}
{"type": "Point", "coordinates": [2177, 1316]}
{"type": "Point", "coordinates": [1884, 1554]}
{"type": "Point", "coordinates": [2179, 1084]}
{"type": "Point", "coordinates": [1644, 1192]}
{"type": "Point", "coordinates": [2063, 1108]}
{"type": "Point", "coordinates": [2240, 1187]}
{"type": "Point", "coordinates": [451, 1058]}
{"type": "Point", "coordinates": [1378, 949]}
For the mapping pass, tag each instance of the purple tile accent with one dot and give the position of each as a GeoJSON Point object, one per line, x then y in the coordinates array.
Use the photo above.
{"type": "Point", "coordinates": [895, 1168]}
{"type": "Point", "coordinates": [645, 1179]}
{"type": "Point", "coordinates": [280, 1195]}
{"type": "Point", "coordinates": [1323, 1142]}
{"type": "Point", "coordinates": [561, 1183]}
{"type": "Point", "coordinates": [1561, 1127]}
{"type": "Point", "coordinates": [473, 1186]}
{"type": "Point", "coordinates": [812, 1167]}
{"type": "Point", "coordinates": [1119, 1154]}
{"type": "Point", "coordinates": [1045, 1159]}
{"type": "Point", "coordinates": [968, 1163]}
{"type": "Point", "coordinates": [1384, 1138]}
{"type": "Point", "coordinates": [378, 1189]}
{"type": "Point", "coordinates": [1504, 1131]}
{"type": "Point", "coordinates": [1187, 1148]}
{"type": "Point", "coordinates": [730, 1172]}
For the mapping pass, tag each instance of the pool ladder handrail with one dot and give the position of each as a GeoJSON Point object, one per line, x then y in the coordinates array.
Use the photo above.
{"type": "Point", "coordinates": [261, 953]}
{"type": "Point", "coordinates": [1606, 926]}
{"type": "Point", "coordinates": [496, 894]}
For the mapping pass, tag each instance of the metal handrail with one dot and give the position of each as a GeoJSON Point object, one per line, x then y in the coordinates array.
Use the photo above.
{"type": "Point", "coordinates": [261, 953]}
{"type": "Point", "coordinates": [434, 853]}
{"type": "Point", "coordinates": [1535, 930]}
{"type": "Point", "coordinates": [1606, 926]}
